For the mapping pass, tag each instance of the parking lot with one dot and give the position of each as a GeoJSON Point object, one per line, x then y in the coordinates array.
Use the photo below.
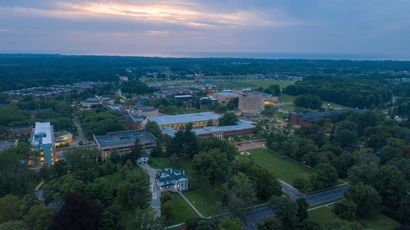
{"type": "Point", "coordinates": [4, 145]}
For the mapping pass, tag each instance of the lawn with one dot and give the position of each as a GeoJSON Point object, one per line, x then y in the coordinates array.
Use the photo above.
{"type": "Point", "coordinates": [204, 199]}
{"type": "Point", "coordinates": [113, 180]}
{"type": "Point", "coordinates": [283, 168]}
{"type": "Point", "coordinates": [380, 222]}
{"type": "Point", "coordinates": [321, 215]}
{"type": "Point", "coordinates": [182, 211]}
{"type": "Point", "coordinates": [286, 98]}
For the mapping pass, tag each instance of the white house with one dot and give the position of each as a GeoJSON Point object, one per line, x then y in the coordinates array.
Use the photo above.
{"type": "Point", "coordinates": [172, 180]}
{"type": "Point", "coordinates": [143, 159]}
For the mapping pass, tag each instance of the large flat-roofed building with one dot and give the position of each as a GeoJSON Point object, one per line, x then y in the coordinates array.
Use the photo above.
{"type": "Point", "coordinates": [225, 96]}
{"type": "Point", "coordinates": [308, 119]}
{"type": "Point", "coordinates": [178, 121]}
{"type": "Point", "coordinates": [123, 141]}
{"type": "Point", "coordinates": [134, 120]}
{"type": "Point", "coordinates": [43, 140]}
{"type": "Point", "coordinates": [241, 128]}
{"type": "Point", "coordinates": [250, 103]}
{"type": "Point", "coordinates": [144, 111]}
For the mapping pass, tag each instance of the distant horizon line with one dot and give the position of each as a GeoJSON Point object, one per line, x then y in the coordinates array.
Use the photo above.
{"type": "Point", "coordinates": [238, 55]}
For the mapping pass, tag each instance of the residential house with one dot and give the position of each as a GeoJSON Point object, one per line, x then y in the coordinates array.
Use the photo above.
{"type": "Point", "coordinates": [172, 180]}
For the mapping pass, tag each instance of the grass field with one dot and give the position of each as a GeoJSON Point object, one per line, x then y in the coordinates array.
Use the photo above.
{"type": "Point", "coordinates": [283, 168]}
{"type": "Point", "coordinates": [321, 215]}
{"type": "Point", "coordinates": [182, 211]}
{"type": "Point", "coordinates": [113, 179]}
{"type": "Point", "coordinates": [380, 222]}
{"type": "Point", "coordinates": [204, 199]}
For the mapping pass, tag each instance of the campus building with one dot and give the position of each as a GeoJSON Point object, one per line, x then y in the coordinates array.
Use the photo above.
{"type": "Point", "coordinates": [123, 141]}
{"type": "Point", "coordinates": [180, 121]}
{"type": "Point", "coordinates": [43, 140]}
{"type": "Point", "coordinates": [308, 119]}
{"type": "Point", "coordinates": [134, 120]}
{"type": "Point", "coordinates": [225, 96]}
{"type": "Point", "coordinates": [241, 128]}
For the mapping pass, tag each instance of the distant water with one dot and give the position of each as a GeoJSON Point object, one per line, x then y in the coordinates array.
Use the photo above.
{"type": "Point", "coordinates": [270, 55]}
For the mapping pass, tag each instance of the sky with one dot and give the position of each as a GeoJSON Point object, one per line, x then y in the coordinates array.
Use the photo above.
{"type": "Point", "coordinates": [156, 26]}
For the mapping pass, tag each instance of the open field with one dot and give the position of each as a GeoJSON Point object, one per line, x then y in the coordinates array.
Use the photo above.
{"type": "Point", "coordinates": [282, 167]}
{"type": "Point", "coordinates": [321, 215]}
{"type": "Point", "coordinates": [204, 199]}
{"type": "Point", "coordinates": [182, 211]}
{"type": "Point", "coordinates": [380, 221]}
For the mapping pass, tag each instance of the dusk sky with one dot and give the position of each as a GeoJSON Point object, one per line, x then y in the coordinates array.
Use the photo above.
{"type": "Point", "coordinates": [152, 26]}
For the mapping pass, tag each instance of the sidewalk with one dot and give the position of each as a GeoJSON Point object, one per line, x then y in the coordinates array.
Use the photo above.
{"type": "Point", "coordinates": [192, 206]}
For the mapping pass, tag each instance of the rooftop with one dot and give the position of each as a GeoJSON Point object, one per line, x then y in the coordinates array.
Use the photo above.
{"type": "Point", "coordinates": [241, 125]}
{"type": "Point", "coordinates": [135, 117]}
{"type": "Point", "coordinates": [168, 131]}
{"type": "Point", "coordinates": [124, 139]}
{"type": "Point", "coordinates": [319, 115]}
{"type": "Point", "coordinates": [227, 94]}
{"type": "Point", "coordinates": [46, 129]}
{"type": "Point", "coordinates": [184, 118]}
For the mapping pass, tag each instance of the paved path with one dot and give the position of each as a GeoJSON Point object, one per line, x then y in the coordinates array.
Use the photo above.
{"type": "Point", "coordinates": [192, 206]}
{"type": "Point", "coordinates": [81, 135]}
{"type": "Point", "coordinates": [156, 193]}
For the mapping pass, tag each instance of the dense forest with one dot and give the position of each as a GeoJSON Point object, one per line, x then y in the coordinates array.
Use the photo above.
{"type": "Point", "coordinates": [348, 92]}
{"type": "Point", "coordinates": [23, 70]}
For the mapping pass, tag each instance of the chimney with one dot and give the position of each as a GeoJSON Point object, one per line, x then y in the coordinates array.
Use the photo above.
{"type": "Point", "coordinates": [183, 172]}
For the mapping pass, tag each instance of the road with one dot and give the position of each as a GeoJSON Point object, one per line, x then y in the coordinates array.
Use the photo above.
{"type": "Point", "coordinates": [312, 199]}
{"type": "Point", "coordinates": [81, 136]}
{"type": "Point", "coordinates": [156, 193]}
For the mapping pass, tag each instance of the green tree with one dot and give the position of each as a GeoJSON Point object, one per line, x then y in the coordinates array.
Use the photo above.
{"type": "Point", "coordinates": [211, 165]}
{"type": "Point", "coordinates": [345, 138]}
{"type": "Point", "coordinates": [365, 197]}
{"type": "Point", "coordinates": [308, 101]}
{"type": "Point", "coordinates": [302, 182]}
{"type": "Point", "coordinates": [267, 184]}
{"type": "Point", "coordinates": [326, 174]}
{"type": "Point", "coordinates": [167, 211]}
{"type": "Point", "coordinates": [341, 224]}
{"type": "Point", "coordinates": [230, 224]}
{"type": "Point", "coordinates": [240, 193]}
{"type": "Point", "coordinates": [144, 220]}
{"type": "Point", "coordinates": [134, 191]}
{"type": "Point", "coordinates": [165, 197]}
{"type": "Point", "coordinates": [366, 173]}
{"type": "Point", "coordinates": [11, 208]}
{"type": "Point", "coordinates": [286, 210]}
{"type": "Point", "coordinates": [391, 185]}
{"type": "Point", "coordinates": [13, 225]}
{"type": "Point", "coordinates": [56, 189]}
{"type": "Point", "coordinates": [268, 223]}
{"type": "Point", "coordinates": [345, 209]}
{"type": "Point", "coordinates": [39, 218]}
{"type": "Point", "coordinates": [303, 206]}
{"type": "Point", "coordinates": [308, 224]}
{"type": "Point", "coordinates": [228, 119]}
{"type": "Point", "coordinates": [153, 128]}
{"type": "Point", "coordinates": [110, 218]}
{"type": "Point", "coordinates": [136, 151]}
{"type": "Point", "coordinates": [404, 210]}
{"type": "Point", "coordinates": [99, 190]}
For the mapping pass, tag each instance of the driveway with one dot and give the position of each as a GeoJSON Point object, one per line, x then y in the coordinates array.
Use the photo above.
{"type": "Point", "coordinates": [81, 136]}
{"type": "Point", "coordinates": [156, 193]}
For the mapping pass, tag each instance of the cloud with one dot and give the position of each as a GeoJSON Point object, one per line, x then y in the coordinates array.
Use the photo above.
{"type": "Point", "coordinates": [103, 26]}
